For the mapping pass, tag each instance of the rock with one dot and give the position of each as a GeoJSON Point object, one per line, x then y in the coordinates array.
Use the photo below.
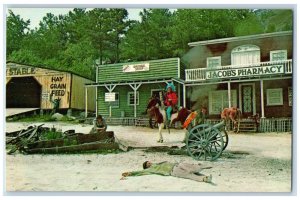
{"type": "Point", "coordinates": [72, 117]}
{"type": "Point", "coordinates": [57, 116]}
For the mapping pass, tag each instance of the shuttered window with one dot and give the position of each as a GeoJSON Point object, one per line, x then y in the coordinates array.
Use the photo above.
{"type": "Point", "coordinates": [278, 55]}
{"type": "Point", "coordinates": [213, 62]}
{"type": "Point", "coordinates": [290, 96]}
{"type": "Point", "coordinates": [274, 97]}
{"type": "Point", "coordinates": [218, 100]}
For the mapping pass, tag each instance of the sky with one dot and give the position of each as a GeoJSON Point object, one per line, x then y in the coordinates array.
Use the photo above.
{"type": "Point", "coordinates": [36, 14]}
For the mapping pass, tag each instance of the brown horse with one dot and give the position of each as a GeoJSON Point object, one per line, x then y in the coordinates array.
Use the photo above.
{"type": "Point", "coordinates": [234, 114]}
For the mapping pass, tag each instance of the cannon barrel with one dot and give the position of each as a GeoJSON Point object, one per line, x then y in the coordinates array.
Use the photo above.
{"type": "Point", "coordinates": [216, 126]}
{"type": "Point", "coordinates": [219, 125]}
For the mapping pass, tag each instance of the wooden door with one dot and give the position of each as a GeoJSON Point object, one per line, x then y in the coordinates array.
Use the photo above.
{"type": "Point", "coordinates": [247, 100]}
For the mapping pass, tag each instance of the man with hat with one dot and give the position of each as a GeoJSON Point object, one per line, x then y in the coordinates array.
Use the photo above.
{"type": "Point", "coordinates": [171, 100]}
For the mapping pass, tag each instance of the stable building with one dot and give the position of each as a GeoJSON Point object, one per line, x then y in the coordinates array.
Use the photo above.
{"type": "Point", "coordinates": [253, 73]}
{"type": "Point", "coordinates": [36, 87]}
{"type": "Point", "coordinates": [123, 89]}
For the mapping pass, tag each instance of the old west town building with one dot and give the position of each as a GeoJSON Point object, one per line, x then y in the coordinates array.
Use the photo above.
{"type": "Point", "coordinates": [253, 73]}
{"type": "Point", "coordinates": [36, 87]}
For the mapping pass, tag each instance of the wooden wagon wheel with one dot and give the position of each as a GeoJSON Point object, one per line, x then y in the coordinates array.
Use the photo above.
{"type": "Point", "coordinates": [225, 138]}
{"type": "Point", "coordinates": [204, 142]}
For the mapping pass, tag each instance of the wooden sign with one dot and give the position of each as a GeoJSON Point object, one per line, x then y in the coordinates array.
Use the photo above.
{"type": "Point", "coordinates": [110, 96]}
{"type": "Point", "coordinates": [253, 71]}
{"type": "Point", "coordinates": [136, 67]}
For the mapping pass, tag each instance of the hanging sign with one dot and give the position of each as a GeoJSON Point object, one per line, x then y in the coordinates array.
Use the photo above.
{"type": "Point", "coordinates": [136, 67]}
{"type": "Point", "coordinates": [45, 95]}
{"type": "Point", "coordinates": [110, 96]}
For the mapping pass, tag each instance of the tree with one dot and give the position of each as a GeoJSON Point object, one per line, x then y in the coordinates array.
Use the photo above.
{"type": "Point", "coordinates": [150, 38]}
{"type": "Point", "coordinates": [275, 20]}
{"type": "Point", "coordinates": [16, 30]}
{"type": "Point", "coordinates": [119, 24]}
{"type": "Point", "coordinates": [98, 28]}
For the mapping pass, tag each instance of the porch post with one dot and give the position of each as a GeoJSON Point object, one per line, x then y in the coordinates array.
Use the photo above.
{"type": "Point", "coordinates": [179, 95]}
{"type": "Point", "coordinates": [184, 99]}
{"type": "Point", "coordinates": [96, 100]}
{"type": "Point", "coordinates": [135, 87]}
{"type": "Point", "coordinates": [86, 102]}
{"type": "Point", "coordinates": [229, 94]}
{"type": "Point", "coordinates": [262, 99]}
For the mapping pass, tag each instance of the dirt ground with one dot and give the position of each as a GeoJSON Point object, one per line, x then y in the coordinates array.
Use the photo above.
{"type": "Point", "coordinates": [252, 162]}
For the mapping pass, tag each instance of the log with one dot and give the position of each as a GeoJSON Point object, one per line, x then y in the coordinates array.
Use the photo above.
{"type": "Point", "coordinates": [76, 148]}
{"type": "Point", "coordinates": [79, 138]}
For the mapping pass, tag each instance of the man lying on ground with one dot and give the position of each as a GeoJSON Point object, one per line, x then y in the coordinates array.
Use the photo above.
{"type": "Point", "coordinates": [180, 170]}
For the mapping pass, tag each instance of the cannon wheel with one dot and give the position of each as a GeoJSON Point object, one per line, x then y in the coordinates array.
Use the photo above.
{"type": "Point", "coordinates": [205, 142]}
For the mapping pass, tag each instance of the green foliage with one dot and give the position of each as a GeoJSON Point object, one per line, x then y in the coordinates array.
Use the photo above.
{"type": "Point", "coordinates": [15, 32]}
{"type": "Point", "coordinates": [51, 135]}
{"type": "Point", "coordinates": [249, 26]}
{"type": "Point", "coordinates": [33, 118]}
{"type": "Point", "coordinates": [69, 142]}
{"type": "Point", "coordinates": [79, 40]}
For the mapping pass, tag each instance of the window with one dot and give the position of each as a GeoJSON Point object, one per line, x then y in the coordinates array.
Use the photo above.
{"type": "Point", "coordinates": [245, 55]}
{"type": "Point", "coordinates": [131, 98]}
{"type": "Point", "coordinates": [213, 62]}
{"type": "Point", "coordinates": [290, 96]}
{"type": "Point", "coordinates": [116, 103]}
{"type": "Point", "coordinates": [278, 55]}
{"type": "Point", "coordinates": [274, 97]}
{"type": "Point", "coordinates": [218, 100]}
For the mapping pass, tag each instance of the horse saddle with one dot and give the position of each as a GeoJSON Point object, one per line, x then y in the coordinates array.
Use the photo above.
{"type": "Point", "coordinates": [189, 119]}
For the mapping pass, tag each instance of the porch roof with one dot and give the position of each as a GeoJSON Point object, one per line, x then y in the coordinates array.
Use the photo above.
{"type": "Point", "coordinates": [148, 81]}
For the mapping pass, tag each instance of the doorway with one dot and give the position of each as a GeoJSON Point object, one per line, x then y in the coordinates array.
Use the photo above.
{"type": "Point", "coordinates": [23, 92]}
{"type": "Point", "coordinates": [247, 99]}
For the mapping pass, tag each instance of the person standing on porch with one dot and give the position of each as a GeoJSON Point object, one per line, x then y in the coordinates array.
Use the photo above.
{"type": "Point", "coordinates": [171, 100]}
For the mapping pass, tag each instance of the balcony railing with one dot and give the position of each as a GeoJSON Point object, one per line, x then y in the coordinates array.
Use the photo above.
{"type": "Point", "coordinates": [238, 71]}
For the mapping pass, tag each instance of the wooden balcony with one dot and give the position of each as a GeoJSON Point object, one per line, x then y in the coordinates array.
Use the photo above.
{"type": "Point", "coordinates": [262, 69]}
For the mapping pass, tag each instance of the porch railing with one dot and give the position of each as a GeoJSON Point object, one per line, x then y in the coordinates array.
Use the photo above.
{"type": "Point", "coordinates": [202, 73]}
{"type": "Point", "coordinates": [275, 125]}
{"type": "Point", "coordinates": [265, 124]}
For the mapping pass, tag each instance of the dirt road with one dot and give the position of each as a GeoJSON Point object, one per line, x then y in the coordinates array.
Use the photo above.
{"type": "Point", "coordinates": [251, 163]}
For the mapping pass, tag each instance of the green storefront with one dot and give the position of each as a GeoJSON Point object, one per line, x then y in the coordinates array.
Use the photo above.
{"type": "Point", "coordinates": [123, 89]}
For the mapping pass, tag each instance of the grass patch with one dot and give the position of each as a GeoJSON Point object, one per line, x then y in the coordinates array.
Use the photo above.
{"type": "Point", "coordinates": [40, 118]}
{"type": "Point", "coordinates": [32, 118]}
{"type": "Point", "coordinates": [50, 135]}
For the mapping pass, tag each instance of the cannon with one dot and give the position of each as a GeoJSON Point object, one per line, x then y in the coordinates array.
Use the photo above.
{"type": "Point", "coordinates": [207, 142]}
